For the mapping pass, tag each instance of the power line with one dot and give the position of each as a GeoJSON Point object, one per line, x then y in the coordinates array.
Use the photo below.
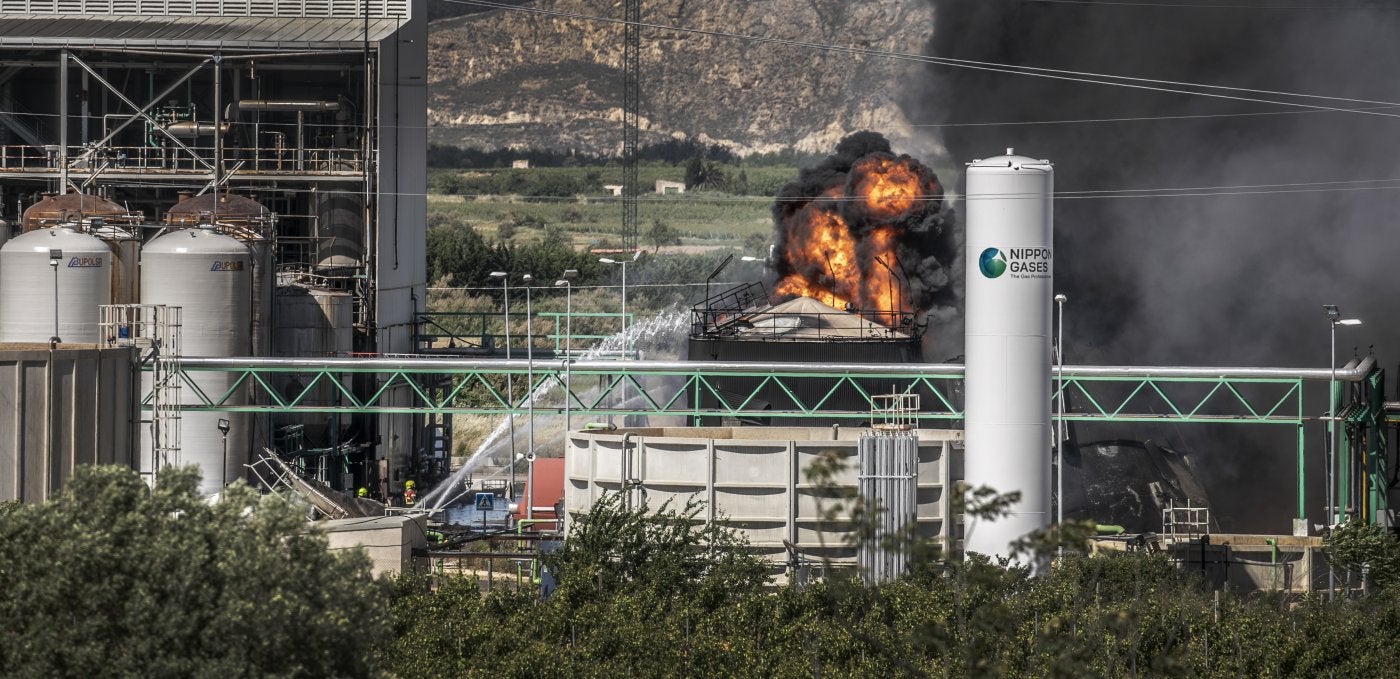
{"type": "Point", "coordinates": [1200, 5]}
{"type": "Point", "coordinates": [1124, 119]}
{"type": "Point", "coordinates": [1132, 82]}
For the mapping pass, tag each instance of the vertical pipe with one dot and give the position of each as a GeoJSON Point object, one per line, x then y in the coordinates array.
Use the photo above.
{"type": "Point", "coordinates": [568, 354]}
{"type": "Point", "coordinates": [1060, 416]}
{"type": "Point", "coordinates": [301, 140]}
{"type": "Point", "coordinates": [62, 123]}
{"type": "Point", "coordinates": [1332, 432]}
{"type": "Point", "coordinates": [218, 66]}
{"type": "Point", "coordinates": [84, 110]}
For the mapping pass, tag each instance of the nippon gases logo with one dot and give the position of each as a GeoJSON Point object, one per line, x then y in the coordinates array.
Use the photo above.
{"type": "Point", "coordinates": [233, 265]}
{"type": "Point", "coordinates": [1019, 262]}
{"type": "Point", "coordinates": [84, 262]}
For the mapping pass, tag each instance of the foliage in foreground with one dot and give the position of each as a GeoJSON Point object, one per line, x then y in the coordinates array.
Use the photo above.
{"type": "Point", "coordinates": [114, 579]}
{"type": "Point", "coordinates": [662, 596]}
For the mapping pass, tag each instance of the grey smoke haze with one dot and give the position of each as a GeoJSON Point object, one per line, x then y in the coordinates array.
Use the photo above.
{"type": "Point", "coordinates": [1225, 280]}
{"type": "Point", "coordinates": [1234, 280]}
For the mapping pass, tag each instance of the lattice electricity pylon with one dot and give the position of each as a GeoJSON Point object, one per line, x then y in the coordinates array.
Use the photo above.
{"type": "Point", "coordinates": [631, 113]}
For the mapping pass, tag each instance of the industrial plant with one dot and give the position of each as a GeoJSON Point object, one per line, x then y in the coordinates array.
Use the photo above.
{"type": "Point", "coordinates": [176, 180]}
{"type": "Point", "coordinates": [213, 254]}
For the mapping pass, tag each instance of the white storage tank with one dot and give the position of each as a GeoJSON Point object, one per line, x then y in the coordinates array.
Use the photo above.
{"type": "Point", "coordinates": [1009, 290]}
{"type": "Point", "coordinates": [84, 276]}
{"type": "Point", "coordinates": [209, 276]}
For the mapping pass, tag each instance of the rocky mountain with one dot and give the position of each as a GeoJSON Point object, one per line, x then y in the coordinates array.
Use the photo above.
{"type": "Point", "coordinates": [520, 79]}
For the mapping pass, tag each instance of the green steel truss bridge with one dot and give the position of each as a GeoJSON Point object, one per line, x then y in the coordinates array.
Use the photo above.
{"type": "Point", "coordinates": [758, 392]}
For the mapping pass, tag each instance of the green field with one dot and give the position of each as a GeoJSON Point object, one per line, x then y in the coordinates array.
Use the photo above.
{"type": "Point", "coordinates": [702, 219]}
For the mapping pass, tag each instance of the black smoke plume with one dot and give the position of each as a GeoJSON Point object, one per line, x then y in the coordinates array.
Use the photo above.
{"type": "Point", "coordinates": [1237, 278]}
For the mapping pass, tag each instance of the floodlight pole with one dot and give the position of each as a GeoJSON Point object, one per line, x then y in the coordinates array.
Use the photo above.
{"type": "Point", "coordinates": [510, 379]}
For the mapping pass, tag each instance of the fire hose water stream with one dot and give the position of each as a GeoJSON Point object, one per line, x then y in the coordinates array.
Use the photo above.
{"type": "Point", "coordinates": [657, 337]}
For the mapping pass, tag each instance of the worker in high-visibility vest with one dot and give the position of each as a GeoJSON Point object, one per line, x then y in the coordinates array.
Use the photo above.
{"type": "Point", "coordinates": [410, 495]}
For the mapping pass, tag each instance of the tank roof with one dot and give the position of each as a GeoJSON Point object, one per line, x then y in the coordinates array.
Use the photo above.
{"type": "Point", "coordinates": [69, 206]}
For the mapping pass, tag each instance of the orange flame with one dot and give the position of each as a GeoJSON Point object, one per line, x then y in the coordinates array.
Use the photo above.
{"type": "Point", "coordinates": [836, 263]}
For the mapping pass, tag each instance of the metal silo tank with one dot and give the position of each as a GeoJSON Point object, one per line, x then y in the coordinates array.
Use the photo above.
{"type": "Point", "coordinates": [27, 301]}
{"type": "Point", "coordinates": [314, 323]}
{"type": "Point", "coordinates": [1009, 289]}
{"type": "Point", "coordinates": [208, 275]}
{"type": "Point", "coordinates": [340, 230]}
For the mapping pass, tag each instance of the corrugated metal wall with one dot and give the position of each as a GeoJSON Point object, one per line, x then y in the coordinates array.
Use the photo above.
{"type": "Point", "coordinates": [76, 405]}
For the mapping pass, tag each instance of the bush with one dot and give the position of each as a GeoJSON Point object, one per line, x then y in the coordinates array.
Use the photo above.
{"type": "Point", "coordinates": [114, 579]}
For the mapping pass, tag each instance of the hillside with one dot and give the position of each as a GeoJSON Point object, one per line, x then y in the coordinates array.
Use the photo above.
{"type": "Point", "coordinates": [514, 78]}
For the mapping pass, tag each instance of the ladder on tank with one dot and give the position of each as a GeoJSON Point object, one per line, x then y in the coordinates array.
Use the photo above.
{"type": "Point", "coordinates": [154, 330]}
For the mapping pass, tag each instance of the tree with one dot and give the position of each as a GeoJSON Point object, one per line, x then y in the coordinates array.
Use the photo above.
{"type": "Point", "coordinates": [1358, 546]}
{"type": "Point", "coordinates": [664, 550]}
{"type": "Point", "coordinates": [114, 579]}
{"type": "Point", "coordinates": [661, 234]}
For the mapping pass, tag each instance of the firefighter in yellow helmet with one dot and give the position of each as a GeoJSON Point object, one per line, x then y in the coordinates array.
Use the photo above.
{"type": "Point", "coordinates": [363, 492]}
{"type": "Point", "coordinates": [410, 494]}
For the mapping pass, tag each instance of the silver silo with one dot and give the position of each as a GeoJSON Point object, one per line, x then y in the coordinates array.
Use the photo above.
{"type": "Point", "coordinates": [314, 323]}
{"type": "Point", "coordinates": [27, 286]}
{"type": "Point", "coordinates": [209, 276]}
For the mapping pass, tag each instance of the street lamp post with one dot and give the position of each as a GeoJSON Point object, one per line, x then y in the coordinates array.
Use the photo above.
{"type": "Point", "coordinates": [510, 379]}
{"type": "Point", "coordinates": [529, 400]}
{"type": "Point", "coordinates": [55, 256]}
{"type": "Point", "coordinates": [568, 345]}
{"type": "Point", "coordinates": [1334, 318]}
{"type": "Point", "coordinates": [1060, 300]}
{"type": "Point", "coordinates": [223, 431]}
{"type": "Point", "coordinates": [626, 336]}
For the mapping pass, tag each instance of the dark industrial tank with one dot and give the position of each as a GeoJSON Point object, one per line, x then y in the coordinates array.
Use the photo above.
{"type": "Point", "coordinates": [1128, 483]}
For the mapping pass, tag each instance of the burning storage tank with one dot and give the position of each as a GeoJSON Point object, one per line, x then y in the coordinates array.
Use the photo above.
{"type": "Point", "coordinates": [54, 210]}
{"type": "Point", "coordinates": [32, 264]}
{"type": "Point", "coordinates": [740, 325]}
{"type": "Point", "coordinates": [207, 274]}
{"type": "Point", "coordinates": [1009, 287]}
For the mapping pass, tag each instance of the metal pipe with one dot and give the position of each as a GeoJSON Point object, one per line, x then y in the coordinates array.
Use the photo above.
{"type": "Point", "coordinates": [287, 105]}
{"type": "Point", "coordinates": [1060, 417]}
{"type": "Point", "coordinates": [62, 124]}
{"type": "Point", "coordinates": [626, 467]}
{"type": "Point", "coordinates": [190, 129]}
{"type": "Point", "coordinates": [218, 131]}
{"type": "Point", "coordinates": [1355, 374]}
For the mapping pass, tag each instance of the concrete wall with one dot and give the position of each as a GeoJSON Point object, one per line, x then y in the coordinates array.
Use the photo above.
{"type": "Point", "coordinates": [389, 541]}
{"type": "Point", "coordinates": [74, 406]}
{"type": "Point", "coordinates": [753, 478]}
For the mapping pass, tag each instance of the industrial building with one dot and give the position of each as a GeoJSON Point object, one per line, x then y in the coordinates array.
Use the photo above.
{"type": "Point", "coordinates": [257, 163]}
